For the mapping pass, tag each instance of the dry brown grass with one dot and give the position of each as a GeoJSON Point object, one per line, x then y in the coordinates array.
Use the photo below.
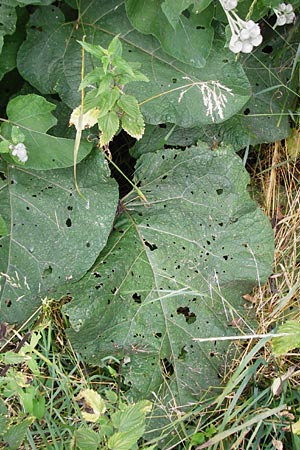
{"type": "Point", "coordinates": [277, 174]}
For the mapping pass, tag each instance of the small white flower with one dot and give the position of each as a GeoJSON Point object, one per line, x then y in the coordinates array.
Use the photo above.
{"type": "Point", "coordinates": [235, 45]}
{"type": "Point", "coordinates": [19, 151]}
{"type": "Point", "coordinates": [228, 5]}
{"type": "Point", "coordinates": [285, 14]}
{"type": "Point", "coordinates": [247, 47]}
{"type": "Point", "coordinates": [244, 35]}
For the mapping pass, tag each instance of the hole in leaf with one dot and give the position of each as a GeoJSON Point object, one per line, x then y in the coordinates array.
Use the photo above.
{"type": "Point", "coordinates": [152, 247]}
{"type": "Point", "coordinates": [70, 208]}
{"type": "Point", "coordinates": [219, 191]}
{"type": "Point", "coordinates": [200, 27]}
{"type": "Point", "coordinates": [190, 317]}
{"type": "Point", "coordinates": [267, 49]}
{"type": "Point", "coordinates": [47, 272]}
{"type": "Point", "coordinates": [174, 80]}
{"type": "Point", "coordinates": [157, 335]}
{"type": "Point", "coordinates": [167, 366]}
{"type": "Point", "coordinates": [8, 303]}
{"type": "Point", "coordinates": [162, 125]}
{"type": "Point", "coordinates": [113, 290]}
{"type": "Point", "coordinates": [182, 353]}
{"type": "Point", "coordinates": [246, 112]}
{"type": "Point", "coordinates": [137, 298]}
{"type": "Point", "coordinates": [88, 245]}
{"type": "Point", "coordinates": [225, 257]}
{"type": "Point", "coordinates": [97, 275]}
{"type": "Point", "coordinates": [99, 286]}
{"type": "Point", "coordinates": [69, 222]}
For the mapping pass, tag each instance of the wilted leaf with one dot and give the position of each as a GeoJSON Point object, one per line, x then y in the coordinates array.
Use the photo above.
{"type": "Point", "coordinates": [58, 69]}
{"type": "Point", "coordinates": [89, 119]}
{"type": "Point", "coordinates": [92, 404]}
{"type": "Point", "coordinates": [174, 271]}
{"type": "Point", "coordinates": [32, 114]}
{"type": "Point", "coordinates": [54, 239]}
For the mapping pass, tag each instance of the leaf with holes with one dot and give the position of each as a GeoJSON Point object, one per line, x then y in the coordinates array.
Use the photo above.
{"type": "Point", "coordinates": [54, 238]}
{"type": "Point", "coordinates": [32, 114]}
{"type": "Point", "coordinates": [174, 270]}
{"type": "Point", "coordinates": [189, 39]}
{"type": "Point", "coordinates": [177, 92]}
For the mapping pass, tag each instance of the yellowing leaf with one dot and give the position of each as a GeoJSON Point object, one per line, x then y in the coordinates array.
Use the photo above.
{"type": "Point", "coordinates": [89, 119]}
{"type": "Point", "coordinates": [109, 125]}
{"type": "Point", "coordinates": [92, 404]}
{"type": "Point", "coordinates": [284, 344]}
{"type": "Point", "coordinates": [134, 126]}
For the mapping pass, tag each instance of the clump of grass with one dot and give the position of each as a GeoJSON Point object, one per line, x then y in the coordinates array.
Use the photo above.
{"type": "Point", "coordinates": [39, 405]}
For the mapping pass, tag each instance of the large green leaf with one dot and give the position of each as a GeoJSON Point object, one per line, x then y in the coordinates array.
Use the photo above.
{"type": "Point", "coordinates": [32, 114]}
{"type": "Point", "coordinates": [189, 40]}
{"type": "Point", "coordinates": [174, 93]}
{"type": "Point", "coordinates": [173, 271]}
{"type": "Point", "coordinates": [53, 237]}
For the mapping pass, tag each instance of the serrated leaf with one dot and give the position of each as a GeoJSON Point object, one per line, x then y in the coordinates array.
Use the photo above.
{"type": "Point", "coordinates": [87, 439]}
{"type": "Point", "coordinates": [123, 441]}
{"type": "Point", "coordinates": [32, 114]}
{"type": "Point", "coordinates": [134, 126]}
{"type": "Point", "coordinates": [132, 120]}
{"type": "Point", "coordinates": [54, 238]}
{"type": "Point", "coordinates": [15, 434]}
{"type": "Point", "coordinates": [107, 100]}
{"type": "Point", "coordinates": [92, 77]}
{"type": "Point", "coordinates": [132, 418]}
{"type": "Point", "coordinates": [115, 47]}
{"type": "Point", "coordinates": [129, 105]}
{"type": "Point", "coordinates": [169, 78]}
{"type": "Point", "coordinates": [174, 271]}
{"type": "Point", "coordinates": [284, 344]}
{"type": "Point", "coordinates": [189, 40]}
{"type": "Point", "coordinates": [95, 50]}
{"type": "Point", "coordinates": [109, 126]}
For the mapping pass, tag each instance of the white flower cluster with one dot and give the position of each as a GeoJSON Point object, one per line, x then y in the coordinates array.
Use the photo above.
{"type": "Point", "coordinates": [285, 14]}
{"type": "Point", "coordinates": [248, 37]}
{"type": "Point", "coordinates": [19, 151]}
{"type": "Point", "coordinates": [244, 35]}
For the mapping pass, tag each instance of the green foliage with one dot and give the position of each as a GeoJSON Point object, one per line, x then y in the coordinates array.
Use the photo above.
{"type": "Point", "coordinates": [172, 271]}
{"type": "Point", "coordinates": [107, 102]}
{"type": "Point", "coordinates": [26, 384]}
{"type": "Point", "coordinates": [149, 275]}
{"type": "Point", "coordinates": [30, 117]}
{"type": "Point", "coordinates": [54, 238]}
